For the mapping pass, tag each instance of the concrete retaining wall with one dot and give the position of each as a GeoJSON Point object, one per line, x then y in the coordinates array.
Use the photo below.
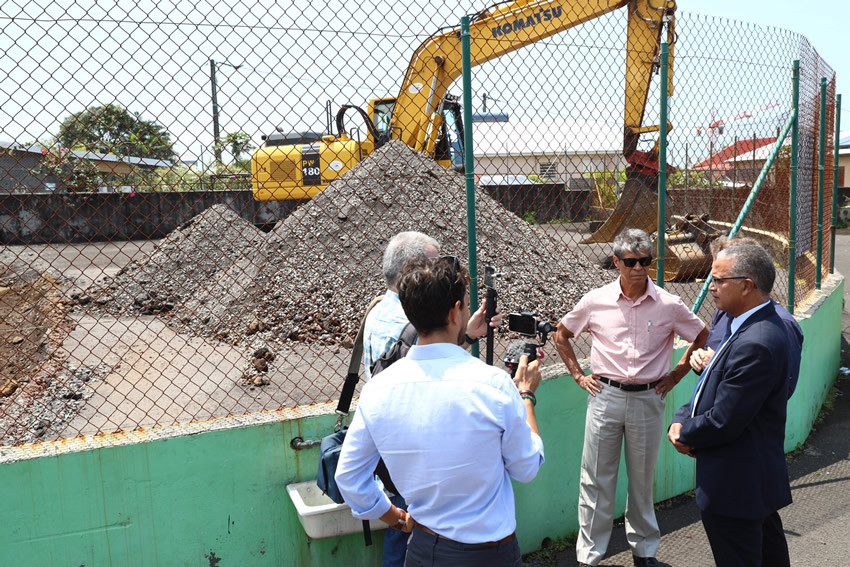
{"type": "Point", "coordinates": [94, 217]}
{"type": "Point", "coordinates": [91, 217]}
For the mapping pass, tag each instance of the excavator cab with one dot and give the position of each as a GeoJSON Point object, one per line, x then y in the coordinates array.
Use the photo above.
{"type": "Point", "coordinates": [448, 140]}
{"type": "Point", "coordinates": [448, 150]}
{"type": "Point", "coordinates": [381, 111]}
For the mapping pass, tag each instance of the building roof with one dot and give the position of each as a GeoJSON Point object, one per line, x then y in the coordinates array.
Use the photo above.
{"type": "Point", "coordinates": [549, 137]}
{"type": "Point", "coordinates": [741, 151]}
{"type": "Point", "coordinates": [93, 156]}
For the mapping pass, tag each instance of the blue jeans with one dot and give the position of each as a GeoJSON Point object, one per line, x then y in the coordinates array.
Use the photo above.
{"type": "Point", "coordinates": [395, 541]}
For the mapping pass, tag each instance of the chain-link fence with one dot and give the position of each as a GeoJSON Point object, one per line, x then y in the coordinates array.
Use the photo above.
{"type": "Point", "coordinates": [128, 301]}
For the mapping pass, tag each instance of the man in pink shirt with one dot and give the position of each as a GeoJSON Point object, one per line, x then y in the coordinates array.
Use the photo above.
{"type": "Point", "coordinates": [633, 323]}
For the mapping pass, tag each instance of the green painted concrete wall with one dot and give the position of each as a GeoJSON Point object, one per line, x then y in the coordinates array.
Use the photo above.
{"type": "Point", "coordinates": [218, 498]}
{"type": "Point", "coordinates": [821, 358]}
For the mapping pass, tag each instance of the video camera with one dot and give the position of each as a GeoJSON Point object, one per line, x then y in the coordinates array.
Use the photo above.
{"type": "Point", "coordinates": [526, 324]}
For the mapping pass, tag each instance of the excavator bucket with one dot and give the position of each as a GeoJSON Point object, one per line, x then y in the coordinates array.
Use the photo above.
{"type": "Point", "coordinates": [687, 254]}
{"type": "Point", "coordinates": [636, 208]}
{"type": "Point", "coordinates": [683, 261]}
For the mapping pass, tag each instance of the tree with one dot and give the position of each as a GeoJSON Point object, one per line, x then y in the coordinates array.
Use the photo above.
{"type": "Point", "coordinates": [112, 129]}
{"type": "Point", "coordinates": [237, 143]}
{"type": "Point", "coordinates": [74, 174]}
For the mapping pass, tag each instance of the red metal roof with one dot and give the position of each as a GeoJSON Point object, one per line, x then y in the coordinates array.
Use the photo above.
{"type": "Point", "coordinates": [722, 160]}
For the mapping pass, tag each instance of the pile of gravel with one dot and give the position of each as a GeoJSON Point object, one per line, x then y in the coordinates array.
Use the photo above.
{"type": "Point", "coordinates": [323, 262]}
{"type": "Point", "coordinates": [196, 271]}
{"type": "Point", "coordinates": [311, 278]}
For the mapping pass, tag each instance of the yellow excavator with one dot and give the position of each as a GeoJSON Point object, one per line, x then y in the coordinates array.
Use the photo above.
{"type": "Point", "coordinates": [427, 119]}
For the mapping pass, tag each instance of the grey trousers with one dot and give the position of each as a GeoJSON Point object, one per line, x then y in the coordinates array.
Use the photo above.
{"type": "Point", "coordinates": [426, 550]}
{"type": "Point", "coordinates": [615, 416]}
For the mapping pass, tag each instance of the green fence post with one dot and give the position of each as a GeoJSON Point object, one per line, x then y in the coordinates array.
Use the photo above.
{"type": "Point", "coordinates": [792, 197]}
{"type": "Point", "coordinates": [469, 168]}
{"type": "Point", "coordinates": [751, 198]}
{"type": "Point", "coordinates": [662, 167]}
{"type": "Point", "coordinates": [835, 187]}
{"type": "Point", "coordinates": [821, 169]}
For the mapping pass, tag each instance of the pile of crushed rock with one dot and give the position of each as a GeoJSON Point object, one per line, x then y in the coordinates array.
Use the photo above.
{"type": "Point", "coordinates": [188, 272]}
{"type": "Point", "coordinates": [310, 279]}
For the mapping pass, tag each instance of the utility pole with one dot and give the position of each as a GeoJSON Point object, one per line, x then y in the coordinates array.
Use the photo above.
{"type": "Point", "coordinates": [214, 86]}
{"type": "Point", "coordinates": [216, 131]}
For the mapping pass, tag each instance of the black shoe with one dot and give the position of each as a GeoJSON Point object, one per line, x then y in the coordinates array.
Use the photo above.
{"type": "Point", "coordinates": [645, 561]}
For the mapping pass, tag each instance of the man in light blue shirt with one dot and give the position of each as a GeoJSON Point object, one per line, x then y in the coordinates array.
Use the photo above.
{"type": "Point", "coordinates": [451, 430]}
{"type": "Point", "coordinates": [387, 320]}
{"type": "Point", "coordinates": [384, 326]}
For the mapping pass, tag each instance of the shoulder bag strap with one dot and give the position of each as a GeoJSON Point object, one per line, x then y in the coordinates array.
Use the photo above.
{"type": "Point", "coordinates": [353, 375]}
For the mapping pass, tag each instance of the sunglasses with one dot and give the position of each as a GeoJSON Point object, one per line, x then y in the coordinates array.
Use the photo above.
{"type": "Point", "coordinates": [631, 262]}
{"type": "Point", "coordinates": [455, 263]}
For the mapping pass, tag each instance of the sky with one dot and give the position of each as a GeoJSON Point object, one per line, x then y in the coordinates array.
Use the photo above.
{"type": "Point", "coordinates": [825, 23]}
{"type": "Point", "coordinates": [61, 56]}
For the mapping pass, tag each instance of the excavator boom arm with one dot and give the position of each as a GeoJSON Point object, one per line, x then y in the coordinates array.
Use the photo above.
{"type": "Point", "coordinates": [437, 62]}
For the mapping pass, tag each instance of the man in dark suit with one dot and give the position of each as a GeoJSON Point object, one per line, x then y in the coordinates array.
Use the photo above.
{"type": "Point", "coordinates": [735, 423]}
{"type": "Point", "coordinates": [721, 320]}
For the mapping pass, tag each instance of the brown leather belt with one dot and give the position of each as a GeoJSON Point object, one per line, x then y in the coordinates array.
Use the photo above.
{"type": "Point", "coordinates": [629, 387]}
{"type": "Point", "coordinates": [505, 539]}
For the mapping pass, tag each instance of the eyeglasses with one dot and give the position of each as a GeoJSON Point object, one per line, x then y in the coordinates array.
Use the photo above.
{"type": "Point", "coordinates": [718, 280]}
{"type": "Point", "coordinates": [630, 262]}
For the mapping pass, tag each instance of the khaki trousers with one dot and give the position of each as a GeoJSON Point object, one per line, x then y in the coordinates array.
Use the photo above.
{"type": "Point", "coordinates": [612, 417]}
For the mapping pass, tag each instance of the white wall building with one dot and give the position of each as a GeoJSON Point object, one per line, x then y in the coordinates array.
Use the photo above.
{"type": "Point", "coordinates": [557, 149]}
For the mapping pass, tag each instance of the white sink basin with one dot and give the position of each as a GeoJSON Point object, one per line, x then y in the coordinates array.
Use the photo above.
{"type": "Point", "coordinates": [321, 516]}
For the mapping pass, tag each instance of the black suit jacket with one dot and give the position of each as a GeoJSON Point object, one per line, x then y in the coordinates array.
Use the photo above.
{"type": "Point", "coordinates": [738, 428]}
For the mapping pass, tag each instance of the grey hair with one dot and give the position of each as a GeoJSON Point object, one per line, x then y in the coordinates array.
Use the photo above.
{"type": "Point", "coordinates": [753, 262]}
{"type": "Point", "coordinates": [403, 247]}
{"type": "Point", "coordinates": [632, 240]}
{"type": "Point", "coordinates": [723, 242]}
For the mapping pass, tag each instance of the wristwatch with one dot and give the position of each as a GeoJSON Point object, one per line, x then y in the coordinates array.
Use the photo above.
{"type": "Point", "coordinates": [401, 521]}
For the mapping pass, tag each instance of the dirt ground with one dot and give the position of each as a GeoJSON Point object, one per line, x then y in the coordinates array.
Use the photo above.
{"type": "Point", "coordinates": [36, 283]}
{"type": "Point", "coordinates": [36, 288]}
{"type": "Point", "coordinates": [32, 314]}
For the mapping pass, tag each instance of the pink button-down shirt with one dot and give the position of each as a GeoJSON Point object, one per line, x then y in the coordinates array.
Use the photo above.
{"type": "Point", "coordinates": [632, 340]}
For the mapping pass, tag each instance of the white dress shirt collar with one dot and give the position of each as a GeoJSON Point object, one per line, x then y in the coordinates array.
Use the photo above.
{"type": "Point", "coordinates": [435, 351]}
{"type": "Point", "coordinates": [740, 319]}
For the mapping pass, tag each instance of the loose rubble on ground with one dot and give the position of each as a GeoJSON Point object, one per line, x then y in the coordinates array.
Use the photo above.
{"type": "Point", "coordinates": [39, 394]}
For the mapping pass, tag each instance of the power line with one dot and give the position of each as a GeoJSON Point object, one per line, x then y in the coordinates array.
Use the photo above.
{"type": "Point", "coordinates": [312, 81]}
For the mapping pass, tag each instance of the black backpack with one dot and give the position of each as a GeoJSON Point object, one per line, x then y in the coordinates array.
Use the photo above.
{"type": "Point", "coordinates": [398, 350]}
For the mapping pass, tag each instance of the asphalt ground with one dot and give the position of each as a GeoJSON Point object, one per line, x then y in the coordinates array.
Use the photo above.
{"type": "Point", "coordinates": [817, 523]}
